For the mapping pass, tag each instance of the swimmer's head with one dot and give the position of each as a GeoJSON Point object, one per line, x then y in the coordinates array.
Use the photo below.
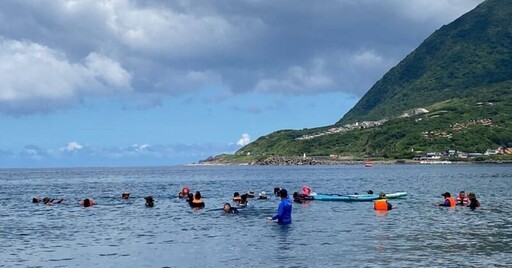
{"type": "Point", "coordinates": [283, 193]}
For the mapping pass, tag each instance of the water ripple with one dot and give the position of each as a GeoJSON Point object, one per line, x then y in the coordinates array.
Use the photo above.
{"type": "Point", "coordinates": [119, 232]}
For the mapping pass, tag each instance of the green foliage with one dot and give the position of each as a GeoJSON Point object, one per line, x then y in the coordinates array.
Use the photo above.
{"type": "Point", "coordinates": [402, 138]}
{"type": "Point", "coordinates": [472, 52]}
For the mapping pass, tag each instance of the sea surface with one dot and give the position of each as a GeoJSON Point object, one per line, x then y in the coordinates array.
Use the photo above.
{"type": "Point", "coordinates": [120, 233]}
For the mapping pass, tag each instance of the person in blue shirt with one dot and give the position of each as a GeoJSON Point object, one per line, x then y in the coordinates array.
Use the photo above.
{"type": "Point", "coordinates": [284, 211]}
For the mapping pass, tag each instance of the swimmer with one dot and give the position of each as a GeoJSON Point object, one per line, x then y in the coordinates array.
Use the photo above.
{"type": "Point", "coordinates": [473, 202]}
{"type": "Point", "coordinates": [87, 202]}
{"type": "Point", "coordinates": [306, 190]}
{"type": "Point", "coordinates": [250, 194]}
{"type": "Point", "coordinates": [262, 195]}
{"type": "Point", "coordinates": [277, 190]}
{"type": "Point", "coordinates": [125, 195]}
{"type": "Point", "coordinates": [197, 202]}
{"type": "Point", "coordinates": [297, 198]}
{"type": "Point", "coordinates": [190, 197]}
{"type": "Point", "coordinates": [462, 199]}
{"type": "Point", "coordinates": [47, 201]}
{"type": "Point", "coordinates": [382, 203]}
{"type": "Point", "coordinates": [236, 198]}
{"type": "Point", "coordinates": [449, 201]}
{"type": "Point", "coordinates": [229, 209]}
{"type": "Point", "coordinates": [243, 201]}
{"type": "Point", "coordinates": [150, 202]}
{"type": "Point", "coordinates": [36, 199]}
{"type": "Point", "coordinates": [184, 192]}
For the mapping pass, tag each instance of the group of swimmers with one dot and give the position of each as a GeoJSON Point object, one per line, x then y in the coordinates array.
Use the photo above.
{"type": "Point", "coordinates": [88, 202]}
{"type": "Point", "coordinates": [194, 200]}
{"type": "Point", "coordinates": [463, 199]}
{"type": "Point", "coordinates": [284, 210]}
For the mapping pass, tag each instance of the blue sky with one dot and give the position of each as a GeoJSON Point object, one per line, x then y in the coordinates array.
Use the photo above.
{"type": "Point", "coordinates": [123, 83]}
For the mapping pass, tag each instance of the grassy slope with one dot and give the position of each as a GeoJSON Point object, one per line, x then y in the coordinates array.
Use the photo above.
{"type": "Point", "coordinates": [403, 137]}
{"type": "Point", "coordinates": [473, 51]}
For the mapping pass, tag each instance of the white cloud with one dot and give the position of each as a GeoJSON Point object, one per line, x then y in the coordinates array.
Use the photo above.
{"type": "Point", "coordinates": [438, 11]}
{"type": "Point", "coordinates": [299, 79]}
{"type": "Point", "coordinates": [107, 70]}
{"type": "Point", "coordinates": [176, 29]}
{"type": "Point", "coordinates": [35, 78]}
{"type": "Point", "coordinates": [140, 148]}
{"type": "Point", "coordinates": [34, 152]}
{"type": "Point", "coordinates": [72, 147]}
{"type": "Point", "coordinates": [367, 58]}
{"type": "Point", "coordinates": [244, 140]}
{"type": "Point", "coordinates": [69, 50]}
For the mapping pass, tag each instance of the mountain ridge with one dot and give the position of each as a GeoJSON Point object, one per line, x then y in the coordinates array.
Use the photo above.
{"type": "Point", "coordinates": [471, 45]}
{"type": "Point", "coordinates": [461, 75]}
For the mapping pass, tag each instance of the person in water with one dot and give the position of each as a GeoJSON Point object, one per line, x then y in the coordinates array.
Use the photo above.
{"type": "Point", "coordinates": [284, 211]}
{"type": "Point", "coordinates": [87, 203]}
{"type": "Point", "coordinates": [237, 198]}
{"type": "Point", "coordinates": [263, 195]}
{"type": "Point", "coordinates": [150, 201]}
{"type": "Point", "coordinates": [184, 192]}
{"type": "Point", "coordinates": [473, 202]}
{"type": "Point", "coordinates": [36, 199]}
{"type": "Point", "coordinates": [298, 198]}
{"type": "Point", "coordinates": [462, 199]}
{"type": "Point", "coordinates": [382, 203]}
{"type": "Point", "coordinates": [49, 201]}
{"type": "Point", "coordinates": [229, 209]}
{"type": "Point", "coordinates": [369, 192]}
{"type": "Point", "coordinates": [449, 201]}
{"type": "Point", "coordinates": [125, 195]}
{"type": "Point", "coordinates": [190, 197]}
{"type": "Point", "coordinates": [305, 194]}
{"type": "Point", "coordinates": [306, 190]}
{"type": "Point", "coordinates": [250, 194]}
{"type": "Point", "coordinates": [197, 202]}
{"type": "Point", "coordinates": [243, 200]}
{"type": "Point", "coordinates": [277, 190]}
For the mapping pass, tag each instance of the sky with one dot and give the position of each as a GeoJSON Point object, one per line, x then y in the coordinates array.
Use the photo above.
{"type": "Point", "coordinates": [143, 83]}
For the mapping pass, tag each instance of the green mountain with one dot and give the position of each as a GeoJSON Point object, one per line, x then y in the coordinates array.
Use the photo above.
{"type": "Point", "coordinates": [473, 51]}
{"type": "Point", "coordinates": [454, 92]}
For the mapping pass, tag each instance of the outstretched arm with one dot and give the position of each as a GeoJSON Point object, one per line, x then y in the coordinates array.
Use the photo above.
{"type": "Point", "coordinates": [280, 211]}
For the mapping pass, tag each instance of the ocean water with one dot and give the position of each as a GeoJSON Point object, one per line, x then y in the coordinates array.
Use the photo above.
{"type": "Point", "coordinates": [117, 233]}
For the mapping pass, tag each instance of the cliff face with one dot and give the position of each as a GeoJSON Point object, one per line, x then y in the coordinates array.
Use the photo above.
{"type": "Point", "coordinates": [472, 52]}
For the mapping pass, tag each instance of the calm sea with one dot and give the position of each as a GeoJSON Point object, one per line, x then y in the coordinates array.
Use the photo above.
{"type": "Point", "coordinates": [117, 233]}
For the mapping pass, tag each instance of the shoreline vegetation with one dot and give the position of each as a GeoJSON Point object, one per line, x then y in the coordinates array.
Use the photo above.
{"type": "Point", "coordinates": [231, 160]}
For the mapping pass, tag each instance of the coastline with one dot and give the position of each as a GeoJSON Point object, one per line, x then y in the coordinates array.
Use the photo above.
{"type": "Point", "coordinates": [312, 161]}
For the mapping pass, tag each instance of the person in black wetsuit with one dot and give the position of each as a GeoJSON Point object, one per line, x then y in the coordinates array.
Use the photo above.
{"type": "Point", "coordinates": [190, 197]}
{"type": "Point", "coordinates": [473, 202]}
{"type": "Point", "coordinates": [150, 201]}
{"type": "Point", "coordinates": [277, 190]}
{"type": "Point", "coordinates": [229, 209]}
{"type": "Point", "coordinates": [297, 198]}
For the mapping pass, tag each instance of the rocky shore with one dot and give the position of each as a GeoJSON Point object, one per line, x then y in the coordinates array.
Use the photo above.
{"type": "Point", "coordinates": [314, 161]}
{"type": "Point", "coordinates": [295, 161]}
